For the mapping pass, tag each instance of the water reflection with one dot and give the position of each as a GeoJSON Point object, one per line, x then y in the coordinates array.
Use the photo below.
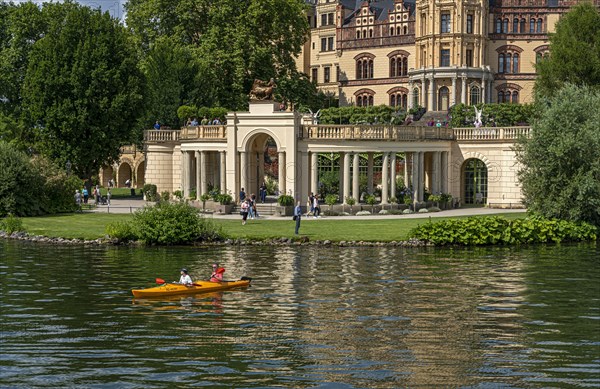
{"type": "Point", "coordinates": [361, 317]}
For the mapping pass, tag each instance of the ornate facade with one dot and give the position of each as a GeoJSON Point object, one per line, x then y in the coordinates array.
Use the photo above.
{"type": "Point", "coordinates": [432, 53]}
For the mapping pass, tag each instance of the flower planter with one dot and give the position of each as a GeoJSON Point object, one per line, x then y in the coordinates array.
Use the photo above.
{"type": "Point", "coordinates": [287, 210]}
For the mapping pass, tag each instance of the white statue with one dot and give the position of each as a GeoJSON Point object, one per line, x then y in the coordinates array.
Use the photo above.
{"type": "Point", "coordinates": [315, 116]}
{"type": "Point", "coordinates": [478, 113]}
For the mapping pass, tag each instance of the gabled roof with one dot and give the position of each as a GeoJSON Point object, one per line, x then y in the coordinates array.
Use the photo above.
{"type": "Point", "coordinates": [380, 8]}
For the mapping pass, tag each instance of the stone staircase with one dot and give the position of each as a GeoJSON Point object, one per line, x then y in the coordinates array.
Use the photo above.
{"type": "Point", "coordinates": [263, 209]}
{"type": "Point", "coordinates": [434, 116]}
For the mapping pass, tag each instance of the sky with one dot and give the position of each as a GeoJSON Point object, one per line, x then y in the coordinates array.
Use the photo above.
{"type": "Point", "coordinates": [114, 7]}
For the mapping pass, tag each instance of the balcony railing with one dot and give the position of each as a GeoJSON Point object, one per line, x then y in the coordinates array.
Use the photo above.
{"type": "Point", "coordinates": [217, 132]}
{"type": "Point", "coordinates": [491, 133]}
{"type": "Point", "coordinates": [161, 135]}
{"type": "Point", "coordinates": [375, 132]}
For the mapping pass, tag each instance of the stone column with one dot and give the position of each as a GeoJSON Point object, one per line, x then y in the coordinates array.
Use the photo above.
{"type": "Point", "coordinates": [346, 177]}
{"type": "Point", "coordinates": [341, 175]}
{"type": "Point", "coordinates": [421, 182]}
{"type": "Point", "coordinates": [431, 95]}
{"type": "Point", "coordinates": [415, 176]}
{"type": "Point", "coordinates": [243, 171]}
{"type": "Point", "coordinates": [282, 177]}
{"type": "Point", "coordinates": [453, 95]}
{"type": "Point", "coordinates": [199, 174]}
{"type": "Point", "coordinates": [314, 172]}
{"type": "Point", "coordinates": [385, 169]}
{"type": "Point", "coordinates": [393, 175]}
{"type": "Point", "coordinates": [355, 177]}
{"type": "Point", "coordinates": [369, 173]}
{"type": "Point", "coordinates": [463, 92]}
{"type": "Point", "coordinates": [489, 98]}
{"type": "Point", "coordinates": [483, 90]}
{"type": "Point", "coordinates": [410, 95]}
{"type": "Point", "coordinates": [184, 174]}
{"type": "Point", "coordinates": [435, 172]}
{"type": "Point", "coordinates": [406, 172]}
{"type": "Point", "coordinates": [444, 172]}
{"type": "Point", "coordinates": [261, 168]}
{"type": "Point", "coordinates": [204, 181]}
{"type": "Point", "coordinates": [222, 171]}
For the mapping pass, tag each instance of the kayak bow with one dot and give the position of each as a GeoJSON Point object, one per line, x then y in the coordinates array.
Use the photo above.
{"type": "Point", "coordinates": [170, 289]}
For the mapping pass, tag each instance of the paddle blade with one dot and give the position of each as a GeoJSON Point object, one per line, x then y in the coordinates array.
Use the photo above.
{"type": "Point", "coordinates": [160, 281]}
{"type": "Point", "coordinates": [246, 279]}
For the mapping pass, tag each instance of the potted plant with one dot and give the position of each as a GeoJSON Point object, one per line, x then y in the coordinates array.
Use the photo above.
{"type": "Point", "coordinates": [224, 200]}
{"type": "Point", "coordinates": [285, 205]}
{"type": "Point", "coordinates": [371, 199]}
{"type": "Point", "coordinates": [350, 201]}
{"type": "Point", "coordinates": [204, 198]}
{"type": "Point", "coordinates": [330, 200]}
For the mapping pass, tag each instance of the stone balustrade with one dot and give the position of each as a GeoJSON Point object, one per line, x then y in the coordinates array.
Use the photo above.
{"type": "Point", "coordinates": [353, 132]}
{"type": "Point", "coordinates": [491, 133]}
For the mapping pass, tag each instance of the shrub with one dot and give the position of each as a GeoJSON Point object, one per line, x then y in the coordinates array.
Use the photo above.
{"type": "Point", "coordinates": [497, 230]}
{"type": "Point", "coordinates": [121, 230]}
{"type": "Point", "coordinates": [433, 209]}
{"type": "Point", "coordinates": [329, 212]}
{"type": "Point", "coordinates": [151, 193]}
{"type": "Point", "coordinates": [178, 194]}
{"type": "Point", "coordinates": [370, 199]}
{"type": "Point", "coordinates": [223, 198]}
{"type": "Point", "coordinates": [331, 199]}
{"type": "Point", "coordinates": [285, 200]}
{"type": "Point", "coordinates": [350, 201]}
{"type": "Point", "coordinates": [11, 224]}
{"type": "Point", "coordinates": [165, 196]}
{"type": "Point", "coordinates": [173, 223]}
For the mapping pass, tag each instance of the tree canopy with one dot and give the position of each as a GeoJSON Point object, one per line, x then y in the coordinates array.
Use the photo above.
{"type": "Point", "coordinates": [83, 90]}
{"type": "Point", "coordinates": [230, 43]}
{"type": "Point", "coordinates": [574, 52]}
{"type": "Point", "coordinates": [560, 163]}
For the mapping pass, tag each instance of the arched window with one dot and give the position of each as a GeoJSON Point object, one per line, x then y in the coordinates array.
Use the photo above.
{"type": "Point", "coordinates": [515, 63]}
{"type": "Point", "coordinates": [404, 66]}
{"type": "Point", "coordinates": [500, 96]}
{"type": "Point", "coordinates": [370, 100]}
{"type": "Point", "coordinates": [444, 98]}
{"type": "Point", "coordinates": [501, 63]}
{"type": "Point", "coordinates": [399, 70]}
{"type": "Point", "coordinates": [392, 68]}
{"type": "Point", "coordinates": [404, 101]}
{"type": "Point", "coordinates": [364, 97]}
{"type": "Point", "coordinates": [364, 34]}
{"type": "Point", "coordinates": [415, 96]}
{"type": "Point", "coordinates": [538, 57]}
{"type": "Point", "coordinates": [474, 95]}
{"type": "Point", "coordinates": [370, 33]}
{"type": "Point", "coordinates": [358, 69]}
{"type": "Point", "coordinates": [405, 30]}
{"type": "Point", "coordinates": [532, 26]}
{"type": "Point", "coordinates": [371, 68]}
{"type": "Point", "coordinates": [398, 30]}
{"type": "Point", "coordinates": [505, 26]}
{"type": "Point", "coordinates": [475, 181]}
{"type": "Point", "coordinates": [507, 96]}
{"type": "Point", "coordinates": [498, 25]}
{"type": "Point", "coordinates": [515, 97]}
{"type": "Point", "coordinates": [357, 34]}
{"type": "Point", "coordinates": [365, 69]}
{"type": "Point", "coordinates": [392, 100]}
{"type": "Point", "coordinates": [359, 101]}
{"type": "Point", "coordinates": [523, 24]}
{"type": "Point", "coordinates": [507, 63]}
{"type": "Point", "coordinates": [515, 25]}
{"type": "Point", "coordinates": [539, 26]}
{"type": "Point", "coordinates": [391, 30]}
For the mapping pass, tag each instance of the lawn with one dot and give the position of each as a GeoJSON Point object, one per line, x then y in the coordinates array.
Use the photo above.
{"type": "Point", "coordinates": [92, 226]}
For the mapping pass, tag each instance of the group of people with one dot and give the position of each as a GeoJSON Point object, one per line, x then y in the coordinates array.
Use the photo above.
{"type": "Point", "coordinates": [82, 197]}
{"type": "Point", "coordinates": [216, 276]}
{"type": "Point", "coordinates": [313, 205]}
{"type": "Point", "coordinates": [204, 122]}
{"type": "Point", "coordinates": [248, 206]}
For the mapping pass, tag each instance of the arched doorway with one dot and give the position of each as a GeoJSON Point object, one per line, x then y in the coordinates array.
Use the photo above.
{"type": "Point", "coordinates": [444, 99]}
{"type": "Point", "coordinates": [262, 165]}
{"type": "Point", "coordinates": [475, 178]}
{"type": "Point", "coordinates": [123, 174]}
{"type": "Point", "coordinates": [139, 175]}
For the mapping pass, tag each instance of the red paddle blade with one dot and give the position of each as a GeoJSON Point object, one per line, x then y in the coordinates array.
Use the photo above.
{"type": "Point", "coordinates": [160, 281]}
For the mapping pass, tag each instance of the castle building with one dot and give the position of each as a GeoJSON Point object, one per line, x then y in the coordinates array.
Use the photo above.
{"type": "Point", "coordinates": [428, 53]}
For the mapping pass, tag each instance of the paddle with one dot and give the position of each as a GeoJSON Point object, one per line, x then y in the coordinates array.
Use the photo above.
{"type": "Point", "coordinates": [160, 281]}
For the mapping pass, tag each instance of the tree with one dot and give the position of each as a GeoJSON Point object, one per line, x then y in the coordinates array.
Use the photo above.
{"type": "Point", "coordinates": [233, 41]}
{"type": "Point", "coordinates": [574, 52]}
{"type": "Point", "coordinates": [560, 173]}
{"type": "Point", "coordinates": [83, 91]}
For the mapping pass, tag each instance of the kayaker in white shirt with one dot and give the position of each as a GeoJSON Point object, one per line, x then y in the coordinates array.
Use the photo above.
{"type": "Point", "coordinates": [185, 278]}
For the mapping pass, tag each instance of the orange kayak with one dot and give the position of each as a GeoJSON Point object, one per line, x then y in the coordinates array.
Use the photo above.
{"type": "Point", "coordinates": [170, 289]}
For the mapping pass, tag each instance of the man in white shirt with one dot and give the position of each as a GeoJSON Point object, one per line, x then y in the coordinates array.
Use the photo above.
{"type": "Point", "coordinates": [185, 279]}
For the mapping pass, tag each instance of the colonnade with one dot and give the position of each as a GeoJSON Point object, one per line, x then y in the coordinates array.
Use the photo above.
{"type": "Point", "coordinates": [199, 168]}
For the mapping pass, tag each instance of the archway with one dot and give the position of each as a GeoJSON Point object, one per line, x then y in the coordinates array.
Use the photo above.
{"type": "Point", "coordinates": [107, 174]}
{"type": "Point", "coordinates": [475, 181]}
{"type": "Point", "coordinates": [123, 174]}
{"type": "Point", "coordinates": [140, 174]}
{"type": "Point", "coordinates": [262, 165]}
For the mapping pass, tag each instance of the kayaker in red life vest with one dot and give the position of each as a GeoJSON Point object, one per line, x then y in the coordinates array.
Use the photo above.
{"type": "Point", "coordinates": [217, 274]}
{"type": "Point", "coordinates": [185, 279]}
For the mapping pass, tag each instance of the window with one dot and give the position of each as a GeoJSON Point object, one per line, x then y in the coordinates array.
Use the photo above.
{"type": "Point", "coordinates": [515, 25]}
{"type": "Point", "coordinates": [315, 75]}
{"type": "Point", "coordinates": [507, 62]}
{"type": "Point", "coordinates": [357, 34]}
{"type": "Point", "coordinates": [539, 26]}
{"type": "Point", "coordinates": [330, 44]}
{"type": "Point", "coordinates": [515, 66]}
{"type": "Point", "coordinates": [469, 23]}
{"type": "Point", "coordinates": [330, 19]}
{"type": "Point", "coordinates": [445, 26]}
{"type": "Point", "coordinates": [323, 44]}
{"type": "Point", "coordinates": [391, 30]}
{"type": "Point", "coordinates": [469, 57]}
{"type": "Point", "coordinates": [498, 26]}
{"type": "Point", "coordinates": [323, 19]}
{"type": "Point", "coordinates": [399, 99]}
{"type": "Point", "coordinates": [523, 22]}
{"type": "Point", "coordinates": [505, 26]}
{"type": "Point", "coordinates": [364, 68]}
{"type": "Point", "coordinates": [515, 97]}
{"type": "Point", "coordinates": [508, 95]}
{"type": "Point", "coordinates": [532, 26]}
{"type": "Point", "coordinates": [327, 74]}
{"type": "Point", "coordinates": [444, 57]}
{"type": "Point", "coordinates": [364, 97]}
{"type": "Point", "coordinates": [423, 23]}
{"type": "Point", "coordinates": [474, 95]}
{"type": "Point", "coordinates": [501, 63]}
{"type": "Point", "coordinates": [398, 66]}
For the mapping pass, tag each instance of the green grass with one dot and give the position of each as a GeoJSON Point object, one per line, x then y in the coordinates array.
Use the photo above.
{"type": "Point", "coordinates": [92, 226]}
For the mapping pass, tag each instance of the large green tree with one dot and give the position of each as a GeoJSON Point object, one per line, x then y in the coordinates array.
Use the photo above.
{"type": "Point", "coordinates": [574, 52]}
{"type": "Point", "coordinates": [560, 173]}
{"type": "Point", "coordinates": [83, 91]}
{"type": "Point", "coordinates": [234, 41]}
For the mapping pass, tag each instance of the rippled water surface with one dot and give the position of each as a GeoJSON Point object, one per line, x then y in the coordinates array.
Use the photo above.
{"type": "Point", "coordinates": [314, 317]}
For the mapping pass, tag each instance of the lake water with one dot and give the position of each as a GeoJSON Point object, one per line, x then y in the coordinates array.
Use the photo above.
{"type": "Point", "coordinates": [314, 317]}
